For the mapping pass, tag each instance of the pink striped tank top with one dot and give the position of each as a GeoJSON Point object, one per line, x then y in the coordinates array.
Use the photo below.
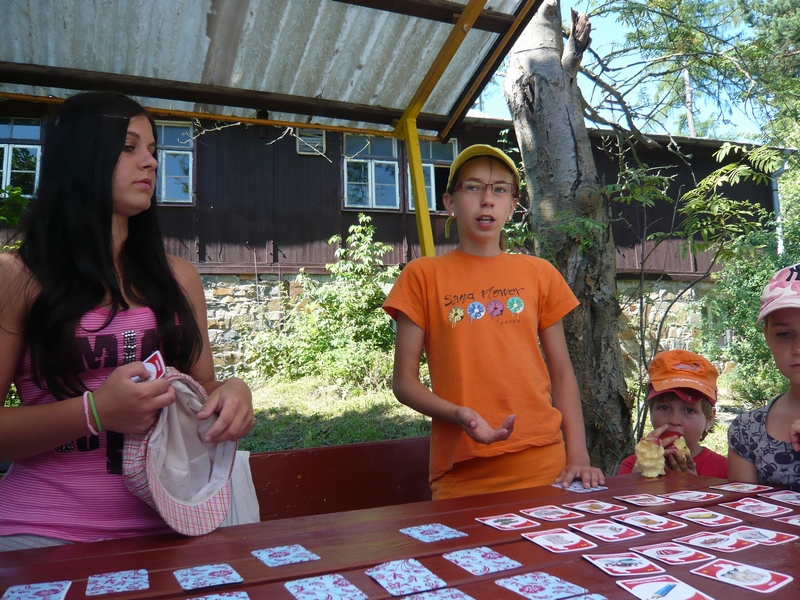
{"type": "Point", "coordinates": [76, 492]}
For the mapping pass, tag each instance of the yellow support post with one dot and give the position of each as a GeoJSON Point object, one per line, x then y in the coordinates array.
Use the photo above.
{"type": "Point", "coordinates": [424, 230]}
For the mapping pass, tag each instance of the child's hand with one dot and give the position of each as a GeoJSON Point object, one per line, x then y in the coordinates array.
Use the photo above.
{"type": "Point", "coordinates": [479, 430]}
{"type": "Point", "coordinates": [233, 403]}
{"type": "Point", "coordinates": [127, 406]}
{"type": "Point", "coordinates": [794, 435]}
{"type": "Point", "coordinates": [590, 476]}
{"type": "Point", "coordinates": [678, 461]}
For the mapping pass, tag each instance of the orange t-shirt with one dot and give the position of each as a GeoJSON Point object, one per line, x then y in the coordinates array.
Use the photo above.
{"type": "Point", "coordinates": [481, 318]}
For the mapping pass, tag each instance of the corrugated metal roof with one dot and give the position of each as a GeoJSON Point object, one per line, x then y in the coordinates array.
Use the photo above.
{"type": "Point", "coordinates": [338, 62]}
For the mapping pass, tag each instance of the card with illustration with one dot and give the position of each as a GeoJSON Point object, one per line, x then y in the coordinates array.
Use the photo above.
{"type": "Point", "coordinates": [155, 366]}
{"type": "Point", "coordinates": [119, 581]}
{"type": "Point", "coordinates": [754, 506]}
{"type": "Point", "coordinates": [433, 532]}
{"type": "Point", "coordinates": [790, 520]}
{"type": "Point", "coordinates": [607, 531]}
{"type": "Point", "coordinates": [206, 576]}
{"type": "Point", "coordinates": [51, 590]}
{"type": "Point", "coordinates": [481, 561]}
{"type": "Point", "coordinates": [785, 496]}
{"type": "Point", "coordinates": [324, 587]}
{"type": "Point", "coordinates": [405, 576]}
{"type": "Point", "coordinates": [673, 554]}
{"type": "Point", "coordinates": [703, 516]}
{"type": "Point", "coordinates": [508, 522]}
{"type": "Point", "coordinates": [551, 512]}
{"type": "Point", "coordinates": [742, 575]}
{"type": "Point", "coordinates": [445, 594]}
{"type": "Point", "coordinates": [716, 541]}
{"type": "Point", "coordinates": [662, 586]}
{"type": "Point", "coordinates": [559, 540]}
{"type": "Point", "coordinates": [577, 486]}
{"type": "Point", "coordinates": [736, 486]}
{"type": "Point", "coordinates": [644, 500]}
{"type": "Point", "coordinates": [597, 507]}
{"type": "Point", "coordinates": [765, 537]}
{"type": "Point", "coordinates": [623, 563]}
{"type": "Point", "coordinates": [540, 586]}
{"type": "Point", "coordinates": [649, 521]}
{"type": "Point", "coordinates": [284, 555]}
{"type": "Point", "coordinates": [691, 496]}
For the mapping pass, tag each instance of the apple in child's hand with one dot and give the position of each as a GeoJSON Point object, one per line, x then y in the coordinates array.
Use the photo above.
{"type": "Point", "coordinates": [668, 434]}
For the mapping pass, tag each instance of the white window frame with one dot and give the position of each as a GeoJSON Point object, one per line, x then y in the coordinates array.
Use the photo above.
{"type": "Point", "coordinates": [308, 147]}
{"type": "Point", "coordinates": [372, 185]}
{"type": "Point", "coordinates": [429, 165]}
{"type": "Point", "coordinates": [6, 171]}
{"type": "Point", "coordinates": [182, 150]}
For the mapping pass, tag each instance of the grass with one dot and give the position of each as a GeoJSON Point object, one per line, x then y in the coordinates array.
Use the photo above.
{"type": "Point", "coordinates": [311, 412]}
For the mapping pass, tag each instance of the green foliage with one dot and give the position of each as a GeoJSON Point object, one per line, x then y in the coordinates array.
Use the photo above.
{"type": "Point", "coordinates": [335, 329]}
{"type": "Point", "coordinates": [12, 206]}
{"type": "Point", "coordinates": [583, 231]}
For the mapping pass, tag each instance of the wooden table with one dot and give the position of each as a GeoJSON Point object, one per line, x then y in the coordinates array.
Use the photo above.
{"type": "Point", "coordinates": [351, 542]}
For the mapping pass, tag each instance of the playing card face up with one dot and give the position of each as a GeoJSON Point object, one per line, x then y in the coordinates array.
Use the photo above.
{"type": "Point", "coordinates": [703, 516]}
{"type": "Point", "coordinates": [155, 365]}
{"type": "Point", "coordinates": [741, 487]}
{"type": "Point", "coordinates": [649, 521]}
{"type": "Point", "coordinates": [53, 590]}
{"type": "Point", "coordinates": [206, 576]}
{"type": "Point", "coordinates": [559, 540]}
{"type": "Point", "coordinates": [673, 554]}
{"type": "Point", "coordinates": [623, 563]}
{"type": "Point", "coordinates": [481, 561]}
{"type": "Point", "coordinates": [433, 532]}
{"type": "Point", "coordinates": [324, 587]}
{"type": "Point", "coordinates": [644, 500]}
{"type": "Point", "coordinates": [121, 581]}
{"type": "Point", "coordinates": [540, 586]}
{"type": "Point", "coordinates": [508, 522]}
{"type": "Point", "coordinates": [765, 537]}
{"type": "Point", "coordinates": [716, 541]}
{"type": "Point", "coordinates": [446, 594]}
{"type": "Point", "coordinates": [792, 520]}
{"type": "Point", "coordinates": [284, 555]}
{"type": "Point", "coordinates": [651, 588]}
{"type": "Point", "coordinates": [742, 575]}
{"type": "Point", "coordinates": [606, 530]}
{"type": "Point", "coordinates": [551, 512]}
{"type": "Point", "coordinates": [691, 496]}
{"type": "Point", "coordinates": [785, 496]}
{"type": "Point", "coordinates": [753, 506]}
{"type": "Point", "coordinates": [401, 577]}
{"type": "Point", "coordinates": [577, 486]}
{"type": "Point", "coordinates": [597, 507]}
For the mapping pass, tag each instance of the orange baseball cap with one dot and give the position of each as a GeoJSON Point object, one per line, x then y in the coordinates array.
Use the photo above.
{"type": "Point", "coordinates": [682, 371]}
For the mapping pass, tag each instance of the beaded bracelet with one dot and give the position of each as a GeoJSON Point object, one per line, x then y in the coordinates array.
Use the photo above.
{"type": "Point", "coordinates": [94, 413]}
{"type": "Point", "coordinates": [92, 430]}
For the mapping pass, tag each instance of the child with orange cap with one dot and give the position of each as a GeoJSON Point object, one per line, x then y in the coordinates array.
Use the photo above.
{"type": "Point", "coordinates": [682, 400]}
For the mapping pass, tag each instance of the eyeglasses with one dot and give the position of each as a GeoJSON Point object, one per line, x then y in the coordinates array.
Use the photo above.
{"type": "Point", "coordinates": [501, 190]}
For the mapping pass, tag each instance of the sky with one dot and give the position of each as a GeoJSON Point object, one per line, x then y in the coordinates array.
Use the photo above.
{"type": "Point", "coordinates": [604, 30]}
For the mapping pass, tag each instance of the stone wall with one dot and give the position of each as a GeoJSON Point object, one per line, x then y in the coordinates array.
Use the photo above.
{"type": "Point", "coordinates": [239, 300]}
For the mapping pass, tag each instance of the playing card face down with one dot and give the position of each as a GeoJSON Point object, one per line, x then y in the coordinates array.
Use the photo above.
{"type": "Point", "coordinates": [551, 512]}
{"type": "Point", "coordinates": [704, 516]}
{"type": "Point", "coordinates": [52, 590]}
{"type": "Point", "coordinates": [649, 521]}
{"type": "Point", "coordinates": [224, 596]}
{"type": "Point", "coordinates": [673, 554]}
{"type": "Point", "coordinates": [481, 561]}
{"type": "Point", "coordinates": [324, 587]}
{"type": "Point", "coordinates": [508, 522]}
{"type": "Point", "coordinates": [659, 586]}
{"type": "Point", "coordinates": [754, 506]}
{"type": "Point", "coordinates": [206, 576]}
{"type": "Point", "coordinates": [445, 594]}
{"type": "Point", "coordinates": [284, 555]}
{"type": "Point", "coordinates": [433, 532]}
{"type": "Point", "coordinates": [606, 530]}
{"type": "Point", "coordinates": [408, 576]}
{"type": "Point", "coordinates": [559, 540]}
{"type": "Point", "coordinates": [742, 575]}
{"type": "Point", "coordinates": [119, 581]}
{"type": "Point", "coordinates": [540, 586]}
{"type": "Point", "coordinates": [577, 487]}
{"type": "Point", "coordinates": [623, 564]}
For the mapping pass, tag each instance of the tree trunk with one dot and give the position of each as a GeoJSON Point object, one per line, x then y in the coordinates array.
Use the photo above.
{"type": "Point", "coordinates": [546, 107]}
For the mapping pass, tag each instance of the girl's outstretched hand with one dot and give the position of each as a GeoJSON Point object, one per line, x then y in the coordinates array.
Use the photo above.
{"type": "Point", "coordinates": [479, 430]}
{"type": "Point", "coordinates": [128, 406]}
{"type": "Point", "coordinates": [233, 403]}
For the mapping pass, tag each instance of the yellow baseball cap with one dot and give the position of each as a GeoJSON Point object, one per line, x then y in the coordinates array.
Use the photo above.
{"type": "Point", "coordinates": [481, 150]}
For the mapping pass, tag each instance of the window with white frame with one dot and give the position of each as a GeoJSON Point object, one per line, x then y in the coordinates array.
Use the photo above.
{"type": "Point", "coordinates": [436, 161]}
{"type": "Point", "coordinates": [370, 172]}
{"type": "Point", "coordinates": [175, 163]}
{"type": "Point", "coordinates": [20, 150]}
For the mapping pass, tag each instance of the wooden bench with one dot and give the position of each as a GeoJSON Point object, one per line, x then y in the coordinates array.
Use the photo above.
{"type": "Point", "coordinates": [328, 479]}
